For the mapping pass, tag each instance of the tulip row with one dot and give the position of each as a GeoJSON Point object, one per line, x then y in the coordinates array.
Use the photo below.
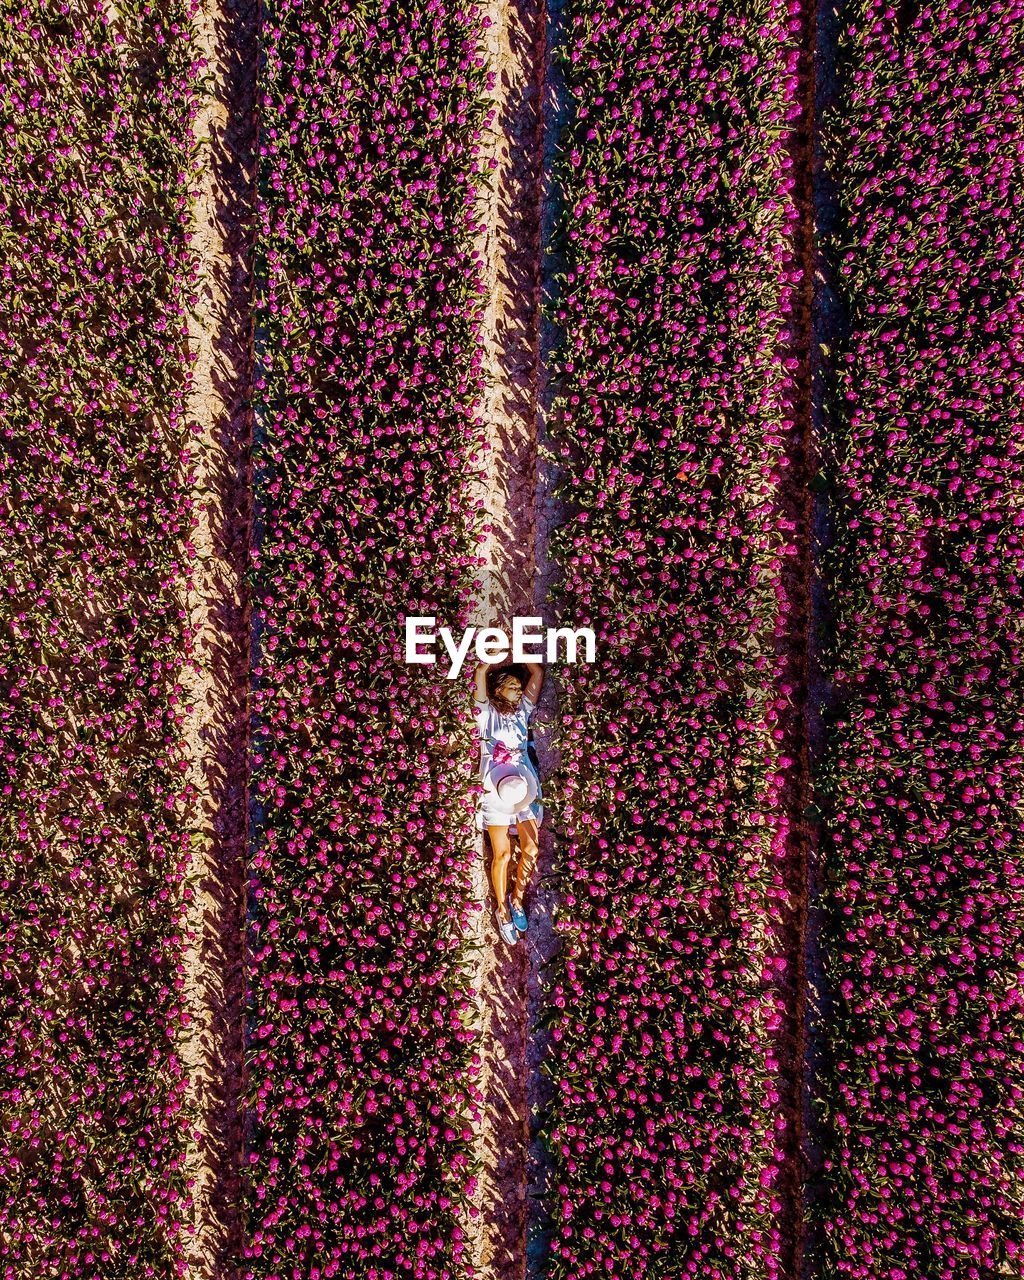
{"type": "Point", "coordinates": [672, 428]}
{"type": "Point", "coordinates": [921, 1097]}
{"type": "Point", "coordinates": [361, 1068]}
{"type": "Point", "coordinates": [96, 118]}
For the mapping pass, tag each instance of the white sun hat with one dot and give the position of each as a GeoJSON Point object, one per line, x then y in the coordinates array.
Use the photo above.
{"type": "Point", "coordinates": [512, 788]}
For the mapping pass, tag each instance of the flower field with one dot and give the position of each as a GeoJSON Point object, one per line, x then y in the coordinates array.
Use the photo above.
{"type": "Point", "coordinates": [360, 1067]}
{"type": "Point", "coordinates": [671, 430]}
{"type": "Point", "coordinates": [921, 1099]}
{"type": "Point", "coordinates": [96, 123]}
{"type": "Point", "coordinates": [781, 421]}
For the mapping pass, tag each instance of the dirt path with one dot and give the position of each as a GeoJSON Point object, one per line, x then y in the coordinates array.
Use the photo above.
{"type": "Point", "coordinates": [217, 683]}
{"type": "Point", "coordinates": [548, 515]}
{"type": "Point", "coordinates": [795, 503]}
{"type": "Point", "coordinates": [503, 977]}
{"type": "Point", "coordinates": [827, 324]}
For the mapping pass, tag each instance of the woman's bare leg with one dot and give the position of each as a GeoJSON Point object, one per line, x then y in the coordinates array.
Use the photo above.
{"type": "Point", "coordinates": [501, 853]}
{"type": "Point", "coordinates": [528, 850]}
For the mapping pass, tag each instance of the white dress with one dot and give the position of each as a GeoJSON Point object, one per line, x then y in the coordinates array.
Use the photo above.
{"type": "Point", "coordinates": [513, 730]}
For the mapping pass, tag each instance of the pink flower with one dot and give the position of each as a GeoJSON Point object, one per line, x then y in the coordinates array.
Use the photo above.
{"type": "Point", "coordinates": [501, 754]}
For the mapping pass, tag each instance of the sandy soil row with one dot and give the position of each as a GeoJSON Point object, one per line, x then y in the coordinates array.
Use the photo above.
{"type": "Point", "coordinates": [505, 978]}
{"type": "Point", "coordinates": [795, 504]}
{"type": "Point", "coordinates": [825, 324]}
{"type": "Point", "coordinates": [548, 513]}
{"type": "Point", "coordinates": [217, 679]}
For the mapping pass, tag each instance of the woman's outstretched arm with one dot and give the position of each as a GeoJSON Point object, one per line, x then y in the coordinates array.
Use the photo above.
{"type": "Point", "coordinates": [480, 682]}
{"type": "Point", "coordinates": [533, 685]}
{"type": "Point", "coordinates": [482, 669]}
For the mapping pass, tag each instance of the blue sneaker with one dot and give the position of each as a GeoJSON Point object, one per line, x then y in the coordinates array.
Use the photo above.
{"type": "Point", "coordinates": [507, 930]}
{"type": "Point", "coordinates": [518, 915]}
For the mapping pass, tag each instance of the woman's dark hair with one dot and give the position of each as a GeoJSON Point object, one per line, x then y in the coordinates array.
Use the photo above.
{"type": "Point", "coordinates": [496, 678]}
